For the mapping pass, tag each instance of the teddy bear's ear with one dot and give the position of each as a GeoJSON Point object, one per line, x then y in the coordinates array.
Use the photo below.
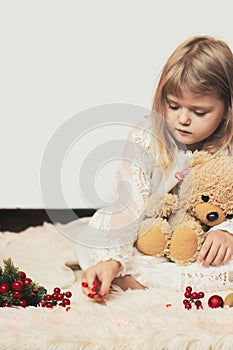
{"type": "Point", "coordinates": [199, 158]}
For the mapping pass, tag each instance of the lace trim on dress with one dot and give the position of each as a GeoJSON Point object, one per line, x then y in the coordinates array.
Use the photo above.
{"type": "Point", "coordinates": [120, 254]}
{"type": "Point", "coordinates": [96, 220]}
{"type": "Point", "coordinates": [209, 279]}
{"type": "Point", "coordinates": [142, 175]}
{"type": "Point", "coordinates": [142, 184]}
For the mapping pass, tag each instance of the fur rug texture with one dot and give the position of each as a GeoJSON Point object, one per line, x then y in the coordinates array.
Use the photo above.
{"type": "Point", "coordinates": [136, 319]}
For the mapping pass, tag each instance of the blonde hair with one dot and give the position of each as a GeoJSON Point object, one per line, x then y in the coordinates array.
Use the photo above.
{"type": "Point", "coordinates": [201, 65]}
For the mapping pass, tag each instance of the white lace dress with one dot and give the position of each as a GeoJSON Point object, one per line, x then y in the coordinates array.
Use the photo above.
{"type": "Point", "coordinates": [112, 231]}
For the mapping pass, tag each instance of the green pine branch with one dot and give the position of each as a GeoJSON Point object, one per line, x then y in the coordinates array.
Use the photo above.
{"type": "Point", "coordinates": [33, 293]}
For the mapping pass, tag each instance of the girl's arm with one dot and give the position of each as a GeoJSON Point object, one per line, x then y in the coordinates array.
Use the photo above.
{"type": "Point", "coordinates": [112, 230]}
{"type": "Point", "coordinates": [218, 246]}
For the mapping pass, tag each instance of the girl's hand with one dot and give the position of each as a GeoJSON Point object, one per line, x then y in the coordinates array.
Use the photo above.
{"type": "Point", "coordinates": [217, 248]}
{"type": "Point", "coordinates": [99, 276]}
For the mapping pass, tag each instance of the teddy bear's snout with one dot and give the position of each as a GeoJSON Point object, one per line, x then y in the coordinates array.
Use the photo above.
{"type": "Point", "coordinates": [209, 214]}
{"type": "Point", "coordinates": [213, 216]}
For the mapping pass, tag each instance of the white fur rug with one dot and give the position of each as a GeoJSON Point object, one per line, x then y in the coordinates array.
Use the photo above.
{"type": "Point", "coordinates": [127, 320]}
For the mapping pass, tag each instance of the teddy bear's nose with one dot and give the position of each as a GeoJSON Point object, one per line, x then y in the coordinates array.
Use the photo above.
{"type": "Point", "coordinates": [212, 216]}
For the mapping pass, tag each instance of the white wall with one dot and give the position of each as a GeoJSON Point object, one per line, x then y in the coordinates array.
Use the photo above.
{"type": "Point", "coordinates": [60, 58]}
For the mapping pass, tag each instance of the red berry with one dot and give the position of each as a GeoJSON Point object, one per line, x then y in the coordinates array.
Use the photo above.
{"type": "Point", "coordinates": [188, 306]}
{"type": "Point", "coordinates": [57, 290]}
{"type": "Point", "coordinates": [95, 283]}
{"type": "Point", "coordinates": [49, 304]}
{"type": "Point", "coordinates": [187, 294]}
{"type": "Point", "coordinates": [4, 288]}
{"type": "Point", "coordinates": [23, 303]}
{"type": "Point", "coordinates": [91, 295]}
{"type": "Point", "coordinates": [84, 284]}
{"type": "Point", "coordinates": [201, 294]}
{"type": "Point", "coordinates": [94, 289]}
{"type": "Point", "coordinates": [6, 304]}
{"type": "Point", "coordinates": [54, 296]}
{"type": "Point", "coordinates": [17, 295]}
{"type": "Point", "coordinates": [100, 296]}
{"type": "Point", "coordinates": [188, 289]}
{"type": "Point", "coordinates": [43, 303]}
{"type": "Point", "coordinates": [48, 297]}
{"type": "Point", "coordinates": [66, 301]}
{"type": "Point", "coordinates": [185, 301]}
{"type": "Point", "coordinates": [194, 295]}
{"type": "Point", "coordinates": [60, 296]}
{"type": "Point", "coordinates": [22, 274]}
{"type": "Point", "coordinates": [68, 294]}
{"type": "Point", "coordinates": [17, 285]}
{"type": "Point", "coordinates": [198, 304]}
{"type": "Point", "coordinates": [27, 281]}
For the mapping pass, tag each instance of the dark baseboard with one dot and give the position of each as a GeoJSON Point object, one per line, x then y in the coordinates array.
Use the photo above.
{"type": "Point", "coordinates": [17, 220]}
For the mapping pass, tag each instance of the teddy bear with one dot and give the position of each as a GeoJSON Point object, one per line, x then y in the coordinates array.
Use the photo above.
{"type": "Point", "coordinates": [175, 225]}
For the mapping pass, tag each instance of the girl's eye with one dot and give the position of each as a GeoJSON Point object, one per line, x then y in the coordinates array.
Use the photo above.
{"type": "Point", "coordinates": [173, 107]}
{"type": "Point", "coordinates": [200, 114]}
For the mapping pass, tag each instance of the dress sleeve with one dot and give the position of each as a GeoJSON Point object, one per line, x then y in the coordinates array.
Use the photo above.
{"type": "Point", "coordinates": [113, 229]}
{"type": "Point", "coordinates": [225, 226]}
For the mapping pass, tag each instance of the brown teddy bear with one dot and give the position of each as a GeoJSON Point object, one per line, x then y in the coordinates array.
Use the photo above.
{"type": "Point", "coordinates": [175, 225]}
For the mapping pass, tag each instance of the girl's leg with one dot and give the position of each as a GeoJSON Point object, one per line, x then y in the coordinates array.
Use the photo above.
{"type": "Point", "coordinates": [127, 282]}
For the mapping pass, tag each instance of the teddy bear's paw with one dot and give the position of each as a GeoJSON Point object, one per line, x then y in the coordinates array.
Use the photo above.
{"type": "Point", "coordinates": [184, 246]}
{"type": "Point", "coordinates": [152, 242]}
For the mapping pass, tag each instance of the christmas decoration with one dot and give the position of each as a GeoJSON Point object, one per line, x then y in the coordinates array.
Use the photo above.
{"type": "Point", "coordinates": [215, 301]}
{"type": "Point", "coordinates": [57, 298]}
{"type": "Point", "coordinates": [94, 290]}
{"type": "Point", "coordinates": [16, 289]}
{"type": "Point", "coordinates": [228, 301]}
{"type": "Point", "coordinates": [192, 298]}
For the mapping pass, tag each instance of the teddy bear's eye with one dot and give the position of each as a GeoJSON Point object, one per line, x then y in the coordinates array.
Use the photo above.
{"type": "Point", "coordinates": [205, 198]}
{"type": "Point", "coordinates": [229, 216]}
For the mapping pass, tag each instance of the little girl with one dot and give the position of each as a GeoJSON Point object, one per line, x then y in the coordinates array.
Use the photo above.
{"type": "Point", "coordinates": [192, 110]}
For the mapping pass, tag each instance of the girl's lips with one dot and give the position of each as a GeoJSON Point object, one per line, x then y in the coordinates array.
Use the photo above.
{"type": "Point", "coordinates": [183, 132]}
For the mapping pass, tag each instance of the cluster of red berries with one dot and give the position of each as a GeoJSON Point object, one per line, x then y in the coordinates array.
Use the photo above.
{"type": "Point", "coordinates": [56, 298]}
{"type": "Point", "coordinates": [94, 290]}
{"type": "Point", "coordinates": [17, 290]}
{"type": "Point", "coordinates": [192, 298]}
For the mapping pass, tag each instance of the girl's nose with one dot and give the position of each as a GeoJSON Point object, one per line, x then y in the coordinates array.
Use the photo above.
{"type": "Point", "coordinates": [184, 117]}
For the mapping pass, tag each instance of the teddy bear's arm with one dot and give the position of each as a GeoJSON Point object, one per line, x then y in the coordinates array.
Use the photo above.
{"type": "Point", "coordinates": [160, 205]}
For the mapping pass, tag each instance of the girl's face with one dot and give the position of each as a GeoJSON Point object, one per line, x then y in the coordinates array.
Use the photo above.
{"type": "Point", "coordinates": [192, 118]}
